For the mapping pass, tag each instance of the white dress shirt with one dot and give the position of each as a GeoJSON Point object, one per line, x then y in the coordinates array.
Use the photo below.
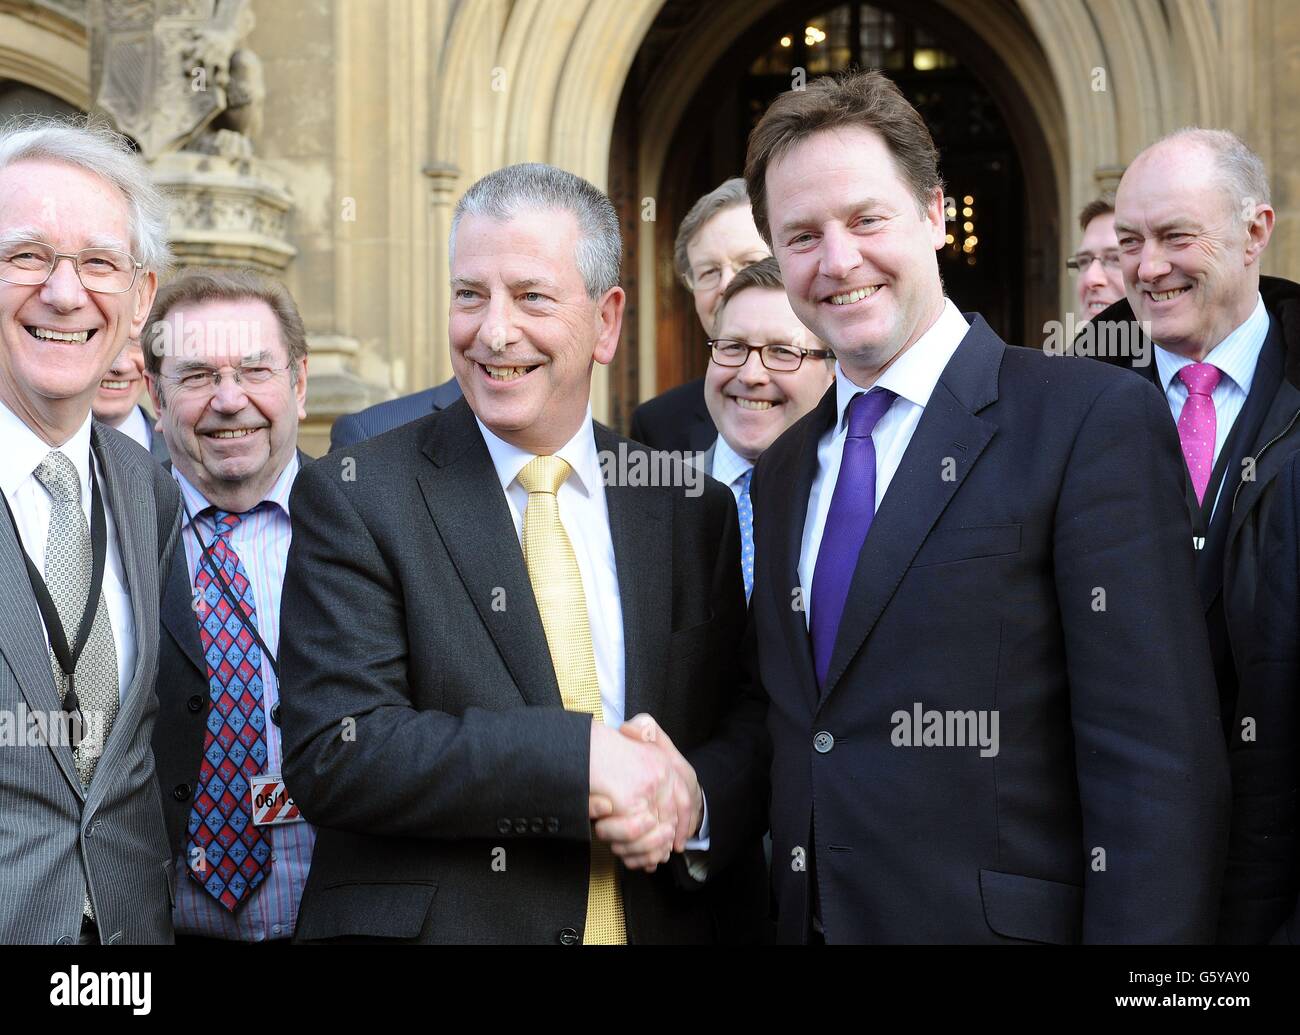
{"type": "Point", "coordinates": [729, 466]}
{"type": "Point", "coordinates": [1237, 356]}
{"type": "Point", "coordinates": [137, 428]}
{"type": "Point", "coordinates": [911, 378]}
{"type": "Point", "coordinates": [30, 502]}
{"type": "Point", "coordinates": [585, 517]}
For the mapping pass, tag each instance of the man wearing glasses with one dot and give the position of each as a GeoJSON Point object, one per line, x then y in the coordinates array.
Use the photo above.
{"type": "Point", "coordinates": [1096, 264]}
{"type": "Point", "coordinates": [757, 383]}
{"type": "Point", "coordinates": [88, 518]}
{"type": "Point", "coordinates": [226, 356]}
{"type": "Point", "coordinates": [716, 240]}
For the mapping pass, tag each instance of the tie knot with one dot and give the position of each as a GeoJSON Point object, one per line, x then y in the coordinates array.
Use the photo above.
{"type": "Point", "coordinates": [59, 476]}
{"type": "Point", "coordinates": [544, 474]}
{"type": "Point", "coordinates": [866, 410]}
{"type": "Point", "coordinates": [225, 521]}
{"type": "Point", "coordinates": [1200, 378]}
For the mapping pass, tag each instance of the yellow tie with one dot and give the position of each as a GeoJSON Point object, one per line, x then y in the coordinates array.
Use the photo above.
{"type": "Point", "coordinates": [557, 586]}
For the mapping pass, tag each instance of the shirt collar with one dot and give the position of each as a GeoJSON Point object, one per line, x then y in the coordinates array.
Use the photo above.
{"type": "Point", "coordinates": [24, 450]}
{"type": "Point", "coordinates": [915, 373]}
{"type": "Point", "coordinates": [579, 453]}
{"type": "Point", "coordinates": [1236, 355]}
{"type": "Point", "coordinates": [728, 465]}
{"type": "Point", "coordinates": [196, 503]}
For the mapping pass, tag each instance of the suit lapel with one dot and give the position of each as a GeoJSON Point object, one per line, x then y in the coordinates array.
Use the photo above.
{"type": "Point", "coordinates": [640, 524]}
{"type": "Point", "coordinates": [473, 520]}
{"type": "Point", "coordinates": [797, 469]}
{"type": "Point", "coordinates": [919, 492]}
{"type": "Point", "coordinates": [178, 611]}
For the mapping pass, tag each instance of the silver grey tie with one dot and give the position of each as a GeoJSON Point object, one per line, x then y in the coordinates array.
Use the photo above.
{"type": "Point", "coordinates": [67, 576]}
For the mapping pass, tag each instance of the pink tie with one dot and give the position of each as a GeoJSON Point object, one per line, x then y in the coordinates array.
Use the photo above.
{"type": "Point", "coordinates": [1197, 424]}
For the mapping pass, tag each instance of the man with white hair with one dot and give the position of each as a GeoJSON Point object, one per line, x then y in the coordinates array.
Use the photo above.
{"type": "Point", "coordinates": [1192, 217]}
{"type": "Point", "coordinates": [89, 516]}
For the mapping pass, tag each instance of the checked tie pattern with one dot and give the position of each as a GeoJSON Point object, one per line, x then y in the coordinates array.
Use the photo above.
{"type": "Point", "coordinates": [226, 853]}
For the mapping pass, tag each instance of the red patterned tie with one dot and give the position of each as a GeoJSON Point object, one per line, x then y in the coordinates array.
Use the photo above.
{"type": "Point", "coordinates": [1197, 424]}
{"type": "Point", "coordinates": [226, 853]}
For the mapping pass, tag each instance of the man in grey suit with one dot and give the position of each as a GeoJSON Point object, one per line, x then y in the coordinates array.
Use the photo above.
{"type": "Point", "coordinates": [482, 597]}
{"type": "Point", "coordinates": [352, 428]}
{"type": "Point", "coordinates": [90, 516]}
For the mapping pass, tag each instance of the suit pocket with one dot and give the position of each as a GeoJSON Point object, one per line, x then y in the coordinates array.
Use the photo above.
{"type": "Point", "coordinates": [1031, 908]}
{"type": "Point", "coordinates": [366, 910]}
{"type": "Point", "coordinates": [945, 545]}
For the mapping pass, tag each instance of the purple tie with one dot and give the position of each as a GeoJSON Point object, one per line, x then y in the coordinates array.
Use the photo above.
{"type": "Point", "coordinates": [1197, 424]}
{"type": "Point", "coordinates": [852, 508]}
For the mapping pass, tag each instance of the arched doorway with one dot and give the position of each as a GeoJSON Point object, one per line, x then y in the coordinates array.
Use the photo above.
{"type": "Point", "coordinates": [994, 157]}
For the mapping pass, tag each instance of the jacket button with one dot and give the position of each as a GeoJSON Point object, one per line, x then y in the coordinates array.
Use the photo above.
{"type": "Point", "coordinates": [552, 826]}
{"type": "Point", "coordinates": [568, 936]}
{"type": "Point", "coordinates": [823, 742]}
{"type": "Point", "coordinates": [536, 826]}
{"type": "Point", "coordinates": [275, 713]}
{"type": "Point", "coordinates": [195, 703]}
{"type": "Point", "coordinates": [521, 826]}
{"type": "Point", "coordinates": [65, 940]}
{"type": "Point", "coordinates": [181, 792]}
{"type": "Point", "coordinates": [503, 826]}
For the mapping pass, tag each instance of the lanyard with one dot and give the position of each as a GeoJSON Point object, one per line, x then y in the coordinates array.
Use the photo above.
{"type": "Point", "coordinates": [228, 591]}
{"type": "Point", "coordinates": [67, 658]}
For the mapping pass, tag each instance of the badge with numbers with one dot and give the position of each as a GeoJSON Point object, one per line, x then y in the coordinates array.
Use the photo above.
{"type": "Point", "coordinates": [271, 802]}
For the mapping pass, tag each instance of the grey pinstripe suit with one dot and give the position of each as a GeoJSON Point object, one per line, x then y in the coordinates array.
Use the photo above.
{"type": "Point", "coordinates": [54, 842]}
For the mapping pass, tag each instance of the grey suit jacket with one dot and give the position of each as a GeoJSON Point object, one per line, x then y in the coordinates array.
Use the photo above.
{"type": "Point", "coordinates": [47, 825]}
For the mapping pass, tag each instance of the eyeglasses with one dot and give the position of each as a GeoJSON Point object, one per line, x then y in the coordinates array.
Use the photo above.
{"type": "Point", "coordinates": [1083, 261]}
{"type": "Point", "coordinates": [103, 270]}
{"type": "Point", "coordinates": [728, 352]}
{"type": "Point", "coordinates": [207, 381]}
{"type": "Point", "coordinates": [706, 278]}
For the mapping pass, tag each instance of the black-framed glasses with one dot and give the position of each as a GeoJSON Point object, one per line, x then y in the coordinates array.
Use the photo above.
{"type": "Point", "coordinates": [729, 352]}
{"type": "Point", "coordinates": [1084, 260]}
{"type": "Point", "coordinates": [104, 270]}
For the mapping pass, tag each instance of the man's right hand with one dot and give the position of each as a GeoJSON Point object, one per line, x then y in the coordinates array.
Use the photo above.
{"type": "Point", "coordinates": [635, 797]}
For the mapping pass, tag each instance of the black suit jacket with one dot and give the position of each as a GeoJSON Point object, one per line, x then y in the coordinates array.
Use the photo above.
{"type": "Point", "coordinates": [1024, 562]}
{"type": "Point", "coordinates": [677, 420]}
{"type": "Point", "coordinates": [183, 694]}
{"type": "Point", "coordinates": [352, 428]}
{"type": "Point", "coordinates": [422, 721]}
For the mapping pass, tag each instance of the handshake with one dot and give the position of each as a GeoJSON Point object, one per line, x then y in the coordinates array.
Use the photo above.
{"type": "Point", "coordinates": [644, 797]}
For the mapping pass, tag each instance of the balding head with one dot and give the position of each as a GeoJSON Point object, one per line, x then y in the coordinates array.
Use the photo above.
{"type": "Point", "coordinates": [1192, 218]}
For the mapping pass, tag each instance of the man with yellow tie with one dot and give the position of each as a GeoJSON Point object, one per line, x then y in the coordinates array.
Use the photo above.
{"type": "Point", "coordinates": [514, 705]}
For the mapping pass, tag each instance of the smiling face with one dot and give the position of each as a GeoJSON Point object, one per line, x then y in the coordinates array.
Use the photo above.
{"type": "Point", "coordinates": [524, 334]}
{"type": "Point", "coordinates": [857, 258]}
{"type": "Point", "coordinates": [120, 388]}
{"type": "Point", "coordinates": [1098, 285]}
{"type": "Point", "coordinates": [752, 405]}
{"type": "Point", "coordinates": [1189, 251]}
{"type": "Point", "coordinates": [722, 247]}
{"type": "Point", "coordinates": [232, 443]}
{"type": "Point", "coordinates": [57, 339]}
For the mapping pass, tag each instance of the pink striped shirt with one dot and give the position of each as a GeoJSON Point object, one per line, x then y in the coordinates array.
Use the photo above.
{"type": "Point", "coordinates": [262, 542]}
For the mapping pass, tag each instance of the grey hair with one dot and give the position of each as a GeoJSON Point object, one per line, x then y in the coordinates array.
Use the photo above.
{"type": "Point", "coordinates": [534, 186]}
{"type": "Point", "coordinates": [729, 194]}
{"type": "Point", "coordinates": [95, 147]}
{"type": "Point", "coordinates": [1241, 170]}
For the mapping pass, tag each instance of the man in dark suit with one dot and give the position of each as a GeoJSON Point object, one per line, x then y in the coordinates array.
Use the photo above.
{"type": "Point", "coordinates": [88, 521]}
{"type": "Point", "coordinates": [484, 596]}
{"type": "Point", "coordinates": [1263, 897]}
{"type": "Point", "coordinates": [1222, 345]}
{"type": "Point", "coordinates": [117, 403]}
{"type": "Point", "coordinates": [352, 428]}
{"type": "Point", "coordinates": [716, 240]}
{"type": "Point", "coordinates": [968, 591]}
{"type": "Point", "coordinates": [230, 410]}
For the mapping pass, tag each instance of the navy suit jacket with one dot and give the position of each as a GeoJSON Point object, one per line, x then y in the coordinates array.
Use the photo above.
{"type": "Point", "coordinates": [677, 420]}
{"type": "Point", "coordinates": [352, 428]}
{"type": "Point", "coordinates": [1026, 563]}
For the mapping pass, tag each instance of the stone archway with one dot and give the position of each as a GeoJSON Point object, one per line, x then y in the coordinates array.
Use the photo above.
{"type": "Point", "coordinates": [46, 47]}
